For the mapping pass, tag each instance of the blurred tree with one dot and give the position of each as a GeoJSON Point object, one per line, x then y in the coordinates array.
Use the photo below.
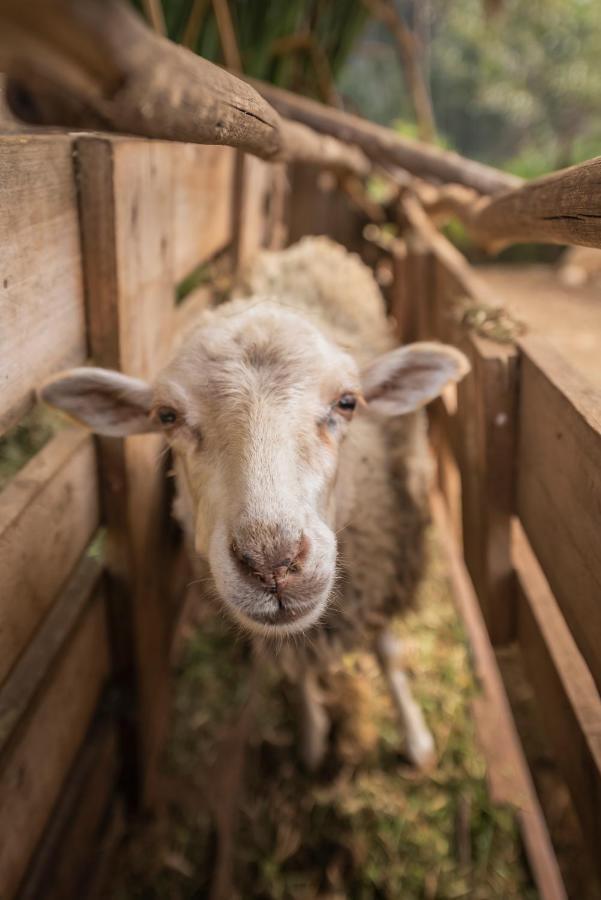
{"type": "Point", "coordinates": [520, 87]}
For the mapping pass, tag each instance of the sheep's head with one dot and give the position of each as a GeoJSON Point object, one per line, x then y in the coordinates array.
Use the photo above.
{"type": "Point", "coordinates": [256, 407]}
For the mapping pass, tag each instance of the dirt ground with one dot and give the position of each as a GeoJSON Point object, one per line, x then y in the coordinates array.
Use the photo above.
{"type": "Point", "coordinates": [367, 826]}
{"type": "Point", "coordinates": [569, 316]}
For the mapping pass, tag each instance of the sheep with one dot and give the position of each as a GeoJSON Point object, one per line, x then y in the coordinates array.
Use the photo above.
{"type": "Point", "coordinates": [301, 459]}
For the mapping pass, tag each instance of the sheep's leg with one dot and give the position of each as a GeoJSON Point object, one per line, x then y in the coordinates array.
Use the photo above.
{"type": "Point", "coordinates": [315, 722]}
{"type": "Point", "coordinates": [419, 741]}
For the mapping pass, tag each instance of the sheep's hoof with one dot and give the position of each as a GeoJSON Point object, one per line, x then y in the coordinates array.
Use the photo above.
{"type": "Point", "coordinates": [421, 751]}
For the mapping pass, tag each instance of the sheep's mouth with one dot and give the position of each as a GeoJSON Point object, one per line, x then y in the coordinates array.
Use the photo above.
{"type": "Point", "coordinates": [280, 619]}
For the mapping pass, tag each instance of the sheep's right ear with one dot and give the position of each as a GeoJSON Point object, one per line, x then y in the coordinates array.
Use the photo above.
{"type": "Point", "coordinates": [107, 402]}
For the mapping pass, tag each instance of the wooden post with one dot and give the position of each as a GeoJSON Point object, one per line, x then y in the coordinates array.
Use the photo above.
{"type": "Point", "coordinates": [484, 435]}
{"type": "Point", "coordinates": [126, 194]}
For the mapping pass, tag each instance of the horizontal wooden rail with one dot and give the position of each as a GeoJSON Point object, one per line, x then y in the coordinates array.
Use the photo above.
{"type": "Point", "coordinates": [95, 64]}
{"type": "Point", "coordinates": [566, 694]}
{"type": "Point", "coordinates": [559, 487]}
{"type": "Point", "coordinates": [507, 770]}
{"type": "Point", "coordinates": [49, 512]}
{"type": "Point", "coordinates": [383, 145]}
{"type": "Point", "coordinates": [34, 666]}
{"type": "Point", "coordinates": [561, 208]}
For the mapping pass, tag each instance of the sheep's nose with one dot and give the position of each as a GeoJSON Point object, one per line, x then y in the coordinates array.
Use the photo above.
{"type": "Point", "coordinates": [271, 562]}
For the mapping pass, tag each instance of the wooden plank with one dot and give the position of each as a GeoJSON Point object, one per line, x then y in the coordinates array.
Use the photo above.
{"type": "Point", "coordinates": [250, 202]}
{"type": "Point", "coordinates": [317, 206]}
{"type": "Point", "coordinates": [69, 850]}
{"type": "Point", "coordinates": [385, 146]}
{"type": "Point", "coordinates": [31, 671]}
{"type": "Point", "coordinates": [128, 242]}
{"type": "Point", "coordinates": [34, 767]}
{"type": "Point", "coordinates": [559, 487]}
{"type": "Point", "coordinates": [507, 770]}
{"type": "Point", "coordinates": [202, 203]}
{"type": "Point", "coordinates": [41, 293]}
{"type": "Point", "coordinates": [49, 512]}
{"type": "Point", "coordinates": [483, 434]}
{"type": "Point", "coordinates": [565, 691]}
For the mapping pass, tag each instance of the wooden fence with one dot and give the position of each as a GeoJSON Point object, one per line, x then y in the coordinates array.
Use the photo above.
{"type": "Point", "coordinates": [97, 236]}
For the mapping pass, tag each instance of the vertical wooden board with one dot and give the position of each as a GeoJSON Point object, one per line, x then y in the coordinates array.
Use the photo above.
{"type": "Point", "coordinates": [565, 691]}
{"type": "Point", "coordinates": [318, 206]}
{"type": "Point", "coordinates": [485, 436]}
{"type": "Point", "coordinates": [35, 765]}
{"type": "Point", "coordinates": [559, 487]}
{"type": "Point", "coordinates": [508, 775]}
{"type": "Point", "coordinates": [127, 211]}
{"type": "Point", "coordinates": [48, 514]}
{"type": "Point", "coordinates": [203, 179]}
{"type": "Point", "coordinates": [41, 295]}
{"type": "Point", "coordinates": [251, 196]}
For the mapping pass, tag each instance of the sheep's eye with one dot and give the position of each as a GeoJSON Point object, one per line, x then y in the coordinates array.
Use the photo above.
{"type": "Point", "coordinates": [347, 403]}
{"type": "Point", "coordinates": [167, 415]}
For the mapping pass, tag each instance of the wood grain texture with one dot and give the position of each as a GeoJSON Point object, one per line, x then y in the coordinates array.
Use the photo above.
{"type": "Point", "coordinates": [507, 770]}
{"type": "Point", "coordinates": [31, 671]}
{"type": "Point", "coordinates": [483, 434]}
{"type": "Point", "coordinates": [559, 487]}
{"type": "Point", "coordinates": [251, 197]}
{"type": "Point", "coordinates": [202, 204]}
{"type": "Point", "coordinates": [562, 208]}
{"type": "Point", "coordinates": [34, 767]}
{"type": "Point", "coordinates": [41, 295]}
{"type": "Point", "coordinates": [69, 850]}
{"type": "Point", "coordinates": [96, 64]}
{"type": "Point", "coordinates": [48, 514]}
{"type": "Point", "coordinates": [127, 211]}
{"type": "Point", "coordinates": [565, 691]}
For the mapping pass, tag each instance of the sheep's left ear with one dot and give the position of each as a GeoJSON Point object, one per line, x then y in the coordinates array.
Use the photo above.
{"type": "Point", "coordinates": [108, 402]}
{"type": "Point", "coordinates": [409, 377]}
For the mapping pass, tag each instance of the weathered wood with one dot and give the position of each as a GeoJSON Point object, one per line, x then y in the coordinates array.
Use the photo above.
{"type": "Point", "coordinates": [128, 246]}
{"type": "Point", "coordinates": [559, 208]}
{"type": "Point", "coordinates": [34, 665]}
{"type": "Point", "coordinates": [49, 512]}
{"type": "Point", "coordinates": [383, 145]}
{"type": "Point", "coordinates": [562, 208]}
{"type": "Point", "coordinates": [95, 64]}
{"type": "Point", "coordinates": [202, 185]}
{"type": "Point", "coordinates": [482, 432]}
{"type": "Point", "coordinates": [41, 295]}
{"type": "Point", "coordinates": [565, 691]}
{"type": "Point", "coordinates": [34, 767]}
{"type": "Point", "coordinates": [559, 487]}
{"type": "Point", "coordinates": [316, 205]}
{"type": "Point", "coordinates": [507, 769]}
{"type": "Point", "coordinates": [252, 188]}
{"type": "Point", "coordinates": [69, 849]}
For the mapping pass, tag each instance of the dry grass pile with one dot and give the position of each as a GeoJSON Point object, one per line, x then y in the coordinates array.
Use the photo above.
{"type": "Point", "coordinates": [368, 826]}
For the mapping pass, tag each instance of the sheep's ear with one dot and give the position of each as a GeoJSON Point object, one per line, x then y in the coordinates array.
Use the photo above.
{"type": "Point", "coordinates": [107, 402]}
{"type": "Point", "coordinates": [409, 377]}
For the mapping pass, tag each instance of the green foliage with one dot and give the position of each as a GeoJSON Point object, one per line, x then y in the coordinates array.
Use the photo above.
{"type": "Point", "coordinates": [519, 90]}
{"type": "Point", "coordinates": [333, 25]}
